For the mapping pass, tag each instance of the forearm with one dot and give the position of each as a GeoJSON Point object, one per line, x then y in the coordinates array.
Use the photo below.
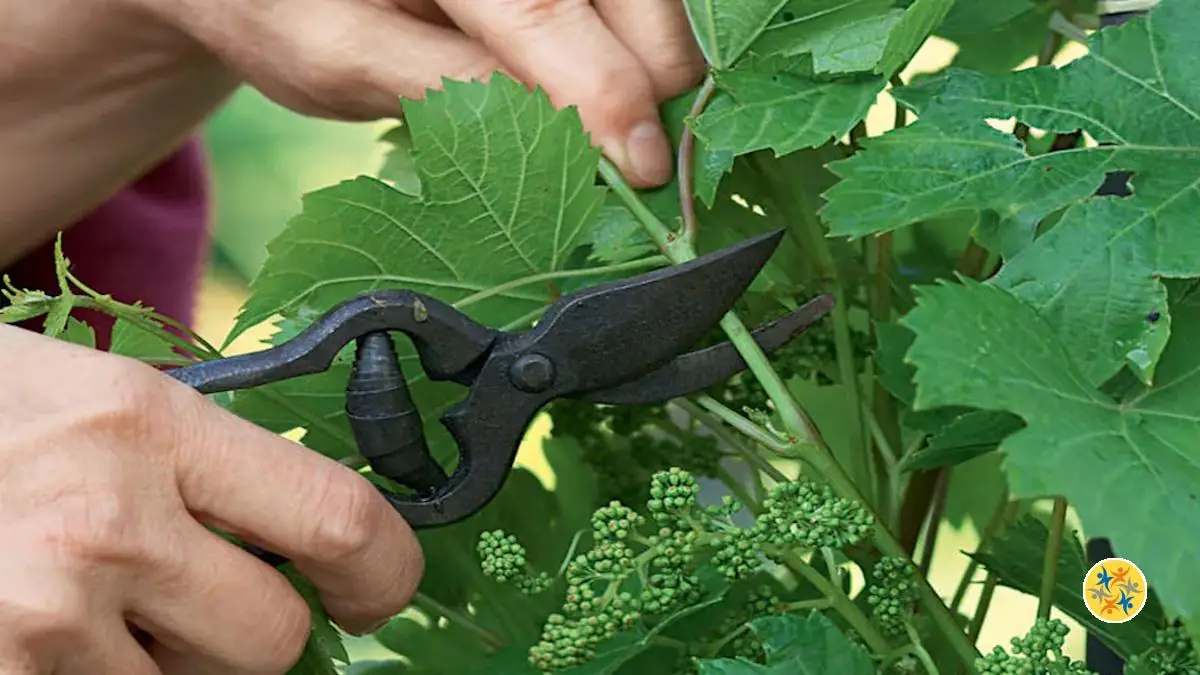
{"type": "Point", "coordinates": [86, 107]}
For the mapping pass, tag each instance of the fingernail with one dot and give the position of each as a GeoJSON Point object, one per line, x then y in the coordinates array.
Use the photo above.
{"type": "Point", "coordinates": [649, 154]}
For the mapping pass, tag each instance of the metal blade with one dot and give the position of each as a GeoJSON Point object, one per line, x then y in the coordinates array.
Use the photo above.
{"type": "Point", "coordinates": [698, 370]}
{"type": "Point", "coordinates": [607, 334]}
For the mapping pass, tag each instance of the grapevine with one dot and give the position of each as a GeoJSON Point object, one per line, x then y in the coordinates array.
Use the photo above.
{"type": "Point", "coordinates": [995, 296]}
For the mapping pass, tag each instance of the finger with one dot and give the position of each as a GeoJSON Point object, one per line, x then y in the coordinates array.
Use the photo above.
{"type": "Point", "coordinates": [425, 10]}
{"type": "Point", "coordinates": [563, 46]}
{"type": "Point", "coordinates": [343, 59]}
{"type": "Point", "coordinates": [337, 528]}
{"type": "Point", "coordinates": [111, 649]}
{"type": "Point", "coordinates": [659, 34]}
{"type": "Point", "coordinates": [209, 604]}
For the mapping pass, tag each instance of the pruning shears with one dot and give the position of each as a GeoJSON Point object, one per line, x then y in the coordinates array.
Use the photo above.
{"type": "Point", "coordinates": [619, 343]}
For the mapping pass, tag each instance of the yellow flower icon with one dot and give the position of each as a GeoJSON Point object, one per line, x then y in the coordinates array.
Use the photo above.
{"type": "Point", "coordinates": [1114, 590]}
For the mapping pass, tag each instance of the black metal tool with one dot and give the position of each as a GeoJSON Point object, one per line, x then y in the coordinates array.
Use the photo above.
{"type": "Point", "coordinates": [617, 343]}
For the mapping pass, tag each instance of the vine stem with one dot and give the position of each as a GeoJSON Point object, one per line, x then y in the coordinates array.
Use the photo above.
{"type": "Point", "coordinates": [1050, 562]}
{"type": "Point", "coordinates": [685, 169]}
{"type": "Point", "coordinates": [748, 454]}
{"type": "Point", "coordinates": [839, 602]}
{"type": "Point", "coordinates": [431, 606]}
{"type": "Point", "coordinates": [807, 438]}
{"type": "Point", "coordinates": [678, 250]}
{"type": "Point", "coordinates": [749, 429]}
{"type": "Point", "coordinates": [989, 529]}
{"type": "Point", "coordinates": [919, 651]}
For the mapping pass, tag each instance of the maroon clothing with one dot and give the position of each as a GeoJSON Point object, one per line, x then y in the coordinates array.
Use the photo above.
{"type": "Point", "coordinates": [148, 243]}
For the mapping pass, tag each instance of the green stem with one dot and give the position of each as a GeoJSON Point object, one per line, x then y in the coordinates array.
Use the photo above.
{"type": "Point", "coordinates": [432, 606]}
{"type": "Point", "coordinates": [847, 369]}
{"type": "Point", "coordinates": [918, 650]}
{"type": "Point", "coordinates": [675, 248]}
{"type": "Point", "coordinates": [630, 266]}
{"type": "Point", "coordinates": [739, 422]}
{"type": "Point", "coordinates": [1050, 562]}
{"type": "Point", "coordinates": [891, 467]}
{"type": "Point", "coordinates": [748, 453]}
{"type": "Point", "coordinates": [985, 601]}
{"type": "Point", "coordinates": [679, 250]}
{"type": "Point", "coordinates": [840, 603]}
{"type": "Point", "coordinates": [989, 529]}
{"type": "Point", "coordinates": [684, 170]}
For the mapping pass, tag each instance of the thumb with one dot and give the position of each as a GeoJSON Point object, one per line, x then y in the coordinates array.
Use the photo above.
{"type": "Point", "coordinates": [341, 59]}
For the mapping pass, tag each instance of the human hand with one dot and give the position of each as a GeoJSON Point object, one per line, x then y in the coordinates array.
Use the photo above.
{"type": "Point", "coordinates": [614, 59]}
{"type": "Point", "coordinates": [108, 472]}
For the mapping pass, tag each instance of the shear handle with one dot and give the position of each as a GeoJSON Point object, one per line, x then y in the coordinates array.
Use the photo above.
{"type": "Point", "coordinates": [447, 342]}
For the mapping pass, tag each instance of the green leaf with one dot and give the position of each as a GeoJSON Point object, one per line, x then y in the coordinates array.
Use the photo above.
{"type": "Point", "coordinates": [79, 333]}
{"type": "Point", "coordinates": [797, 645]}
{"type": "Point", "coordinates": [995, 36]}
{"type": "Point", "coordinates": [776, 103]}
{"type": "Point", "coordinates": [843, 36]}
{"type": "Point", "coordinates": [725, 29]}
{"type": "Point", "coordinates": [508, 186]}
{"type": "Point", "coordinates": [1097, 273]}
{"type": "Point", "coordinates": [917, 24]}
{"type": "Point", "coordinates": [967, 437]}
{"type": "Point", "coordinates": [978, 345]}
{"type": "Point", "coordinates": [399, 169]}
{"type": "Point", "coordinates": [616, 236]}
{"type": "Point", "coordinates": [324, 644]}
{"type": "Point", "coordinates": [1016, 556]}
{"type": "Point", "coordinates": [129, 339]}
{"type": "Point", "coordinates": [444, 647]}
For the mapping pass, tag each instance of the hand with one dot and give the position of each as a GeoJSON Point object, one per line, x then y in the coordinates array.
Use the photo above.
{"type": "Point", "coordinates": [108, 472]}
{"type": "Point", "coordinates": [614, 59]}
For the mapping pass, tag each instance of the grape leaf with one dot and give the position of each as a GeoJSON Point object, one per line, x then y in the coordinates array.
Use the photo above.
{"type": "Point", "coordinates": [963, 439]}
{"type": "Point", "coordinates": [508, 185]}
{"type": "Point", "coordinates": [399, 169]}
{"type": "Point", "coordinates": [79, 333]}
{"type": "Point", "coordinates": [843, 36]}
{"type": "Point", "coordinates": [1015, 558]}
{"type": "Point", "coordinates": [995, 36]}
{"type": "Point", "coordinates": [981, 346]}
{"type": "Point", "coordinates": [130, 340]}
{"type": "Point", "coordinates": [797, 645]}
{"type": "Point", "coordinates": [1097, 274]}
{"type": "Point", "coordinates": [918, 22]}
{"type": "Point", "coordinates": [725, 29]}
{"type": "Point", "coordinates": [774, 102]}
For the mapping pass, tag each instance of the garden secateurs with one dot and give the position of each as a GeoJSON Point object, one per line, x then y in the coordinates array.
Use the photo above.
{"type": "Point", "coordinates": [619, 343]}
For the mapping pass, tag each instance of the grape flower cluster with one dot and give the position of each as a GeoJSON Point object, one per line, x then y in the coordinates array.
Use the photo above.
{"type": "Point", "coordinates": [643, 567]}
{"type": "Point", "coordinates": [1173, 653]}
{"type": "Point", "coordinates": [1038, 652]}
{"type": "Point", "coordinates": [892, 595]}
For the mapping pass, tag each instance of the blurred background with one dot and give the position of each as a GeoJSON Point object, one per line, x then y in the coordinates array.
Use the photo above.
{"type": "Point", "coordinates": [265, 157]}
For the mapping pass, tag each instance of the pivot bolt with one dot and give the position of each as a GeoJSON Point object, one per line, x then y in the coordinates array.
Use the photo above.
{"type": "Point", "coordinates": [532, 373]}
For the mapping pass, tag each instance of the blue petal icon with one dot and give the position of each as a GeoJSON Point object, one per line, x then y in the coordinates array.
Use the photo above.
{"type": "Point", "coordinates": [1125, 603]}
{"type": "Point", "coordinates": [1103, 577]}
